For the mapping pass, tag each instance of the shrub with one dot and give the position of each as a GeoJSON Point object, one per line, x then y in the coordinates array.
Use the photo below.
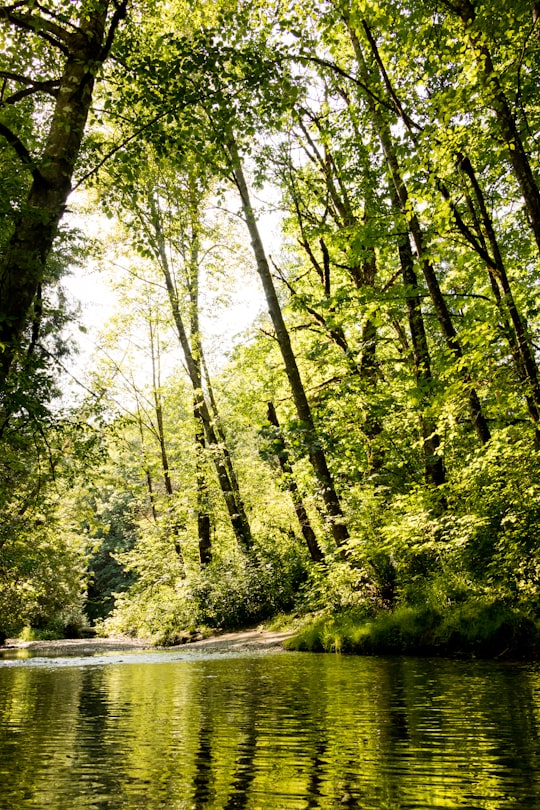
{"type": "Point", "coordinates": [232, 592]}
{"type": "Point", "coordinates": [477, 628]}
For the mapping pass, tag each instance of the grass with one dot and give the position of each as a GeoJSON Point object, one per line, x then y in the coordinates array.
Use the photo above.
{"type": "Point", "coordinates": [475, 628]}
{"type": "Point", "coordinates": [32, 634]}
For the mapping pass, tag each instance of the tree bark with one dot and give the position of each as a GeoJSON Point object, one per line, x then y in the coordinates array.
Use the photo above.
{"type": "Point", "coordinates": [204, 527]}
{"type": "Point", "coordinates": [204, 523]}
{"type": "Point", "coordinates": [147, 471]}
{"type": "Point", "coordinates": [434, 464]}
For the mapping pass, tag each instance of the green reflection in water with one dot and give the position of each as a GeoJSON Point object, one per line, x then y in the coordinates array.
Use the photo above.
{"type": "Point", "coordinates": [272, 731]}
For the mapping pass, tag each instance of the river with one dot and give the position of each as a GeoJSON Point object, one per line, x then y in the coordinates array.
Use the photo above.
{"type": "Point", "coordinates": [268, 729]}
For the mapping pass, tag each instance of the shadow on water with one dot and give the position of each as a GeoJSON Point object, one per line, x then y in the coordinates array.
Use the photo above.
{"type": "Point", "coordinates": [269, 731]}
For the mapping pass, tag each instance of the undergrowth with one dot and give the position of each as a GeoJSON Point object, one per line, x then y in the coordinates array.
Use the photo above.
{"type": "Point", "coordinates": [475, 628]}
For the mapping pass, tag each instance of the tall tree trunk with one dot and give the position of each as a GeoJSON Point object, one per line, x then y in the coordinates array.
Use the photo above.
{"type": "Point", "coordinates": [160, 429]}
{"type": "Point", "coordinates": [147, 471]}
{"type": "Point", "coordinates": [158, 409]}
{"type": "Point", "coordinates": [290, 482]}
{"type": "Point", "coordinates": [218, 424]}
{"type": "Point", "coordinates": [434, 464]}
{"type": "Point", "coordinates": [235, 507]}
{"type": "Point", "coordinates": [204, 523]}
{"type": "Point", "coordinates": [22, 265]}
{"type": "Point", "coordinates": [441, 310]}
{"type": "Point", "coordinates": [520, 347]}
{"type": "Point", "coordinates": [497, 100]}
{"type": "Point", "coordinates": [204, 527]}
{"type": "Point", "coordinates": [316, 453]}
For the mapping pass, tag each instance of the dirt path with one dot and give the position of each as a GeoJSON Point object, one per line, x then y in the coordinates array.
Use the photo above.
{"type": "Point", "coordinates": [240, 641]}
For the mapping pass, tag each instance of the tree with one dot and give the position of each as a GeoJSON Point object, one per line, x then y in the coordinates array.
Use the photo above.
{"type": "Point", "coordinates": [477, 35]}
{"type": "Point", "coordinates": [162, 205]}
{"type": "Point", "coordinates": [280, 450]}
{"type": "Point", "coordinates": [78, 38]}
{"type": "Point", "coordinates": [400, 351]}
{"type": "Point", "coordinates": [315, 450]}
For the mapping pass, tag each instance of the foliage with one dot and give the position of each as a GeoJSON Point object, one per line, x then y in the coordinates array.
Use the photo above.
{"type": "Point", "coordinates": [43, 549]}
{"type": "Point", "coordinates": [230, 593]}
{"type": "Point", "coordinates": [115, 533]}
{"type": "Point", "coordinates": [399, 143]}
{"type": "Point", "coordinates": [42, 574]}
{"type": "Point", "coordinates": [477, 628]}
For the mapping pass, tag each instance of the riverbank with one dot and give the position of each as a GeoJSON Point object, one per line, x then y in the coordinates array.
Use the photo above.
{"type": "Point", "coordinates": [473, 629]}
{"type": "Point", "coordinates": [239, 641]}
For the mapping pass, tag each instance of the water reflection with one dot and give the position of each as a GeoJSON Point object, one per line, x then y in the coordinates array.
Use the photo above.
{"type": "Point", "coordinates": [273, 731]}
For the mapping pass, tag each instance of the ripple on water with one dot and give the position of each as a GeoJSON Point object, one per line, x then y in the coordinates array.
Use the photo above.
{"type": "Point", "coordinates": [166, 729]}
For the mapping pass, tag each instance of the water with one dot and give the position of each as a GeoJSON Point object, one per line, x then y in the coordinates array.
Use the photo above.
{"type": "Point", "coordinates": [274, 730]}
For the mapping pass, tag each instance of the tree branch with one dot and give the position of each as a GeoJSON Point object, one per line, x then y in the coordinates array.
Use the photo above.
{"type": "Point", "coordinates": [117, 148]}
{"type": "Point", "coordinates": [20, 150]}
{"type": "Point", "coordinates": [407, 120]}
{"type": "Point", "coordinates": [119, 14]}
{"type": "Point", "coordinates": [49, 87]}
{"type": "Point", "coordinates": [49, 31]}
{"type": "Point", "coordinates": [346, 75]}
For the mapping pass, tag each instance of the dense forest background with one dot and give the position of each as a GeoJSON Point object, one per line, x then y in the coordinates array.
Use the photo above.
{"type": "Point", "coordinates": [370, 442]}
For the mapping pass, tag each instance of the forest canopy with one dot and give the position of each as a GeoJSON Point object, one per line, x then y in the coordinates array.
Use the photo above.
{"type": "Point", "coordinates": [369, 442]}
